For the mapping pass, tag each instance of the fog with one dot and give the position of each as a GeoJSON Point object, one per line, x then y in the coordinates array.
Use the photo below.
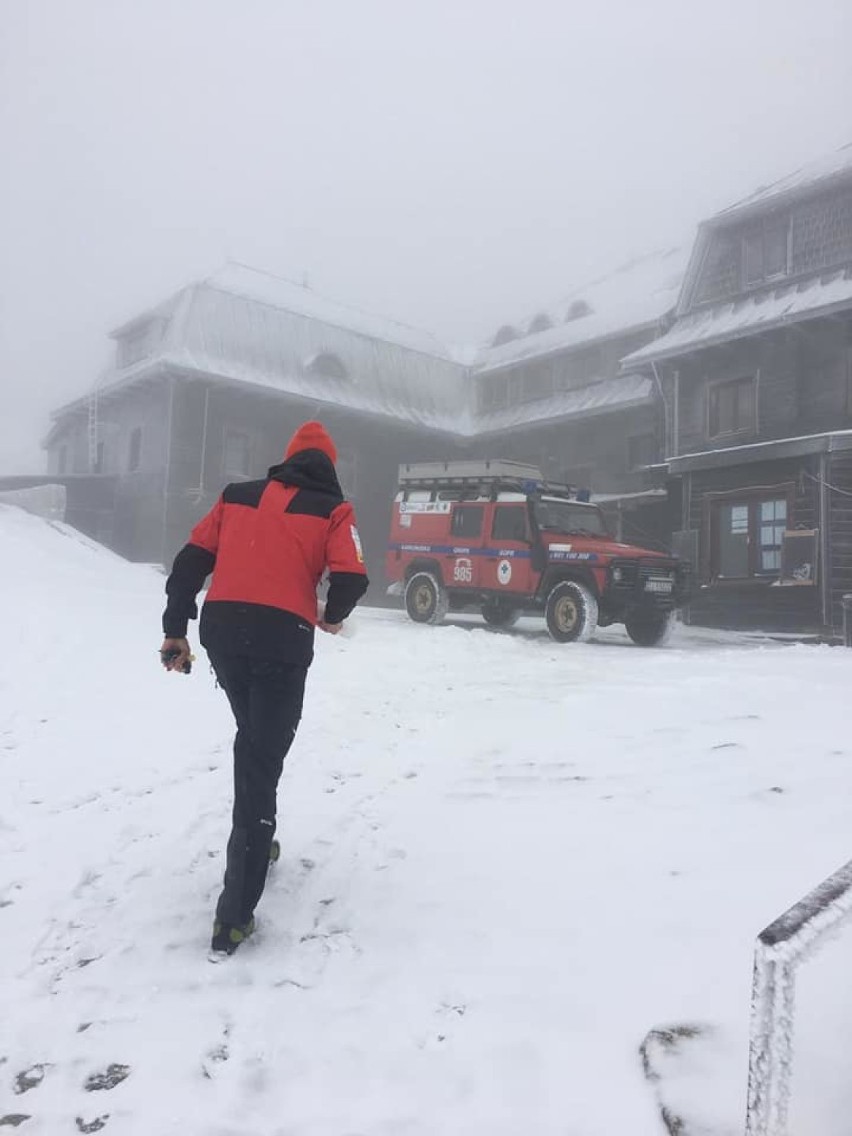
{"type": "Point", "coordinates": [451, 164]}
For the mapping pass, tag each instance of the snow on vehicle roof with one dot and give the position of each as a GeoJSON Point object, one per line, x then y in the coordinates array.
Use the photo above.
{"type": "Point", "coordinates": [636, 295]}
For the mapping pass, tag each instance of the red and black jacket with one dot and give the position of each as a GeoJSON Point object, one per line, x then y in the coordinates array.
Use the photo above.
{"type": "Point", "coordinates": [268, 544]}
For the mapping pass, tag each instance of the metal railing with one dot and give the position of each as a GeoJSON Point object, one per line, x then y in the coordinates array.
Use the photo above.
{"type": "Point", "coordinates": [781, 947]}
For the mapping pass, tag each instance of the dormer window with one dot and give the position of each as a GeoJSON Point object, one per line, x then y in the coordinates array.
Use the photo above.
{"type": "Point", "coordinates": [326, 365]}
{"type": "Point", "coordinates": [765, 252]}
{"type": "Point", "coordinates": [577, 310]}
{"type": "Point", "coordinates": [541, 322]}
{"type": "Point", "coordinates": [138, 342]}
{"type": "Point", "coordinates": [505, 334]}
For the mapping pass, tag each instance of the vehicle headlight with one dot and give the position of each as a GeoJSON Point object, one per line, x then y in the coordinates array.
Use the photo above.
{"type": "Point", "coordinates": [617, 574]}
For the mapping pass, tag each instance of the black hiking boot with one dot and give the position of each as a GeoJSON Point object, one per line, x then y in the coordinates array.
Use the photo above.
{"type": "Point", "coordinates": [226, 938]}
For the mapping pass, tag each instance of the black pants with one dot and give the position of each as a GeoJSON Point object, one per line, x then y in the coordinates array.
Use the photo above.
{"type": "Point", "coordinates": [266, 698]}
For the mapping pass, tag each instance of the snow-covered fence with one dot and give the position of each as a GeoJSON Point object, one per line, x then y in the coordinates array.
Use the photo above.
{"type": "Point", "coordinates": [48, 501]}
{"type": "Point", "coordinates": [781, 947]}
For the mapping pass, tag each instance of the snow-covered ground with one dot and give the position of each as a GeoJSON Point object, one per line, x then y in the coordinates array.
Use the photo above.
{"type": "Point", "coordinates": [504, 863]}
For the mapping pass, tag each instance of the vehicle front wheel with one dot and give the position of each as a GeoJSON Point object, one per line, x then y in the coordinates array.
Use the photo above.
{"type": "Point", "coordinates": [649, 628]}
{"type": "Point", "coordinates": [426, 599]}
{"type": "Point", "coordinates": [498, 614]}
{"type": "Point", "coordinates": [571, 612]}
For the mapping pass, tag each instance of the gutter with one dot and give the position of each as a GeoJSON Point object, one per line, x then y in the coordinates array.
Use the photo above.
{"type": "Point", "coordinates": [646, 355]}
{"type": "Point", "coordinates": [776, 449]}
{"type": "Point", "coordinates": [490, 368]}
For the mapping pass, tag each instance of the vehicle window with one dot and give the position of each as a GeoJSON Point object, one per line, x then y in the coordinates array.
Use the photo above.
{"type": "Point", "coordinates": [510, 522]}
{"type": "Point", "coordinates": [467, 520]}
{"type": "Point", "coordinates": [568, 517]}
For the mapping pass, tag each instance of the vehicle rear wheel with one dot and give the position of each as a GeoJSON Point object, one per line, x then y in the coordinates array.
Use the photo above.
{"type": "Point", "coordinates": [498, 614]}
{"type": "Point", "coordinates": [426, 599]}
{"type": "Point", "coordinates": [649, 628]}
{"type": "Point", "coordinates": [571, 612]}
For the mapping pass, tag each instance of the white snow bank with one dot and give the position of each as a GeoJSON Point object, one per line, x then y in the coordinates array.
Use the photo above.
{"type": "Point", "coordinates": [504, 861]}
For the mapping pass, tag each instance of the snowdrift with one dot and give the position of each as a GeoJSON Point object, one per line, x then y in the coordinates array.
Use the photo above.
{"type": "Point", "coordinates": [506, 865]}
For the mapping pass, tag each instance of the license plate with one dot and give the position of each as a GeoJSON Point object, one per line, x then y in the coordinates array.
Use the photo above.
{"type": "Point", "coordinates": [659, 585]}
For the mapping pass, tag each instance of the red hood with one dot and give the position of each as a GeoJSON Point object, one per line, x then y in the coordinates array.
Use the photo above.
{"type": "Point", "coordinates": [602, 545]}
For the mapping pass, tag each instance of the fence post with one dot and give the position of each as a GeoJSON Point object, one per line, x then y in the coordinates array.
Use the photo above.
{"type": "Point", "coordinates": [847, 621]}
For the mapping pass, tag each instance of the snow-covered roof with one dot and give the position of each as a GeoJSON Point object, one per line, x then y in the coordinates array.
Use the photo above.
{"type": "Point", "coordinates": [828, 169]}
{"type": "Point", "coordinates": [635, 296]}
{"type": "Point", "coordinates": [277, 292]}
{"type": "Point", "coordinates": [596, 398]}
{"type": "Point", "coordinates": [245, 327]}
{"type": "Point", "coordinates": [757, 312]}
{"type": "Point", "coordinates": [242, 327]}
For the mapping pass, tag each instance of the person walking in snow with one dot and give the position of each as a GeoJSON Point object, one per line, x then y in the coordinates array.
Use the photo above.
{"type": "Point", "coordinates": [268, 543]}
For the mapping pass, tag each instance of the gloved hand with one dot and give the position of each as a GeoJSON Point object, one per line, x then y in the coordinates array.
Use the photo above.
{"type": "Point", "coordinates": [176, 655]}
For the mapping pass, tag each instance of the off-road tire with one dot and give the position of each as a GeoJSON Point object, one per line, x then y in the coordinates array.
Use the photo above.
{"type": "Point", "coordinates": [426, 599]}
{"type": "Point", "coordinates": [571, 612]}
{"type": "Point", "coordinates": [649, 629]}
{"type": "Point", "coordinates": [498, 614]}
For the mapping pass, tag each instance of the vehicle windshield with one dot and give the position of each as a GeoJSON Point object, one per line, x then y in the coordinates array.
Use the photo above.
{"type": "Point", "coordinates": [570, 518]}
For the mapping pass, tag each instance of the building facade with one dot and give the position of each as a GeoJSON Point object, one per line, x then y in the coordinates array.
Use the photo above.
{"type": "Point", "coordinates": [208, 387]}
{"type": "Point", "coordinates": [705, 400]}
{"type": "Point", "coordinates": [756, 374]}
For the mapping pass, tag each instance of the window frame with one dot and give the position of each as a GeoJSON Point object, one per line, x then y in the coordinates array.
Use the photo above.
{"type": "Point", "coordinates": [649, 438]}
{"type": "Point", "coordinates": [347, 472]}
{"type": "Point", "coordinates": [493, 393]}
{"type": "Point", "coordinates": [465, 507]}
{"type": "Point", "coordinates": [503, 507]}
{"type": "Point", "coordinates": [236, 432]}
{"type": "Point", "coordinates": [713, 391]}
{"type": "Point", "coordinates": [752, 499]}
{"type": "Point", "coordinates": [536, 382]}
{"type": "Point", "coordinates": [763, 233]}
{"type": "Point", "coordinates": [134, 450]}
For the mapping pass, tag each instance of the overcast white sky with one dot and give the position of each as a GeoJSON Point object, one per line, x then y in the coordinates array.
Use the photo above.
{"type": "Point", "coordinates": [451, 163]}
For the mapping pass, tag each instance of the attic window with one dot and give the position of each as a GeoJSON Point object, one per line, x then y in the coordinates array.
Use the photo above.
{"type": "Point", "coordinates": [137, 343]}
{"type": "Point", "coordinates": [327, 365]}
{"type": "Point", "coordinates": [505, 334]}
{"type": "Point", "coordinates": [577, 310]}
{"type": "Point", "coordinates": [541, 322]}
{"type": "Point", "coordinates": [765, 252]}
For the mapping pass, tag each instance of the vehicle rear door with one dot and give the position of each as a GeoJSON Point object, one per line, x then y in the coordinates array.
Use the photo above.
{"type": "Point", "coordinates": [508, 566]}
{"type": "Point", "coordinates": [462, 562]}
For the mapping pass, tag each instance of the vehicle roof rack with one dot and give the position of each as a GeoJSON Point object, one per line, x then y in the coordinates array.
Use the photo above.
{"type": "Point", "coordinates": [487, 476]}
{"type": "Point", "coordinates": [468, 471]}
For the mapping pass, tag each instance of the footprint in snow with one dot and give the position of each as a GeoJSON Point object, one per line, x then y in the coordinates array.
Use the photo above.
{"type": "Point", "coordinates": [29, 1079]}
{"type": "Point", "coordinates": [217, 1056]}
{"type": "Point", "coordinates": [106, 1080]}
{"type": "Point", "coordinates": [94, 1125]}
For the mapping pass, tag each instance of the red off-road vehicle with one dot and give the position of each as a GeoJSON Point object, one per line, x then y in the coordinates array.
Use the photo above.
{"type": "Point", "coordinates": [495, 535]}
